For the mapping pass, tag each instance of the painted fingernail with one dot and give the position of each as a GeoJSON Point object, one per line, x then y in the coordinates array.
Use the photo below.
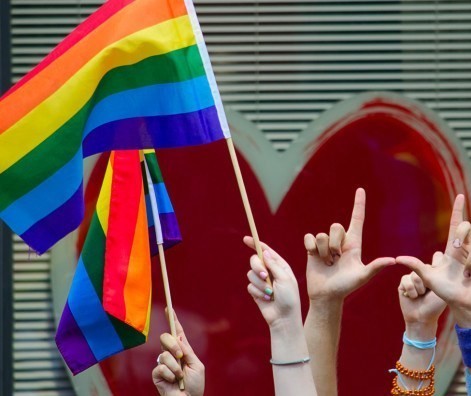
{"type": "Point", "coordinates": [268, 291]}
{"type": "Point", "coordinates": [179, 354]}
{"type": "Point", "coordinates": [457, 243]}
{"type": "Point", "coordinates": [263, 275]}
{"type": "Point", "coordinates": [267, 254]}
{"type": "Point", "coordinates": [266, 297]}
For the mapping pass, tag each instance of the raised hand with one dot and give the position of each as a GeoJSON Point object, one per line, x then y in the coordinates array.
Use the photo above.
{"type": "Point", "coordinates": [285, 306]}
{"type": "Point", "coordinates": [334, 265]}
{"type": "Point", "coordinates": [420, 307]}
{"type": "Point", "coordinates": [168, 371]}
{"type": "Point", "coordinates": [449, 277]}
{"type": "Point", "coordinates": [281, 309]}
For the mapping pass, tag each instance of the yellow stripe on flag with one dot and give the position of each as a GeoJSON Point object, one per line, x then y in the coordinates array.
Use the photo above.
{"type": "Point", "coordinates": [38, 125]}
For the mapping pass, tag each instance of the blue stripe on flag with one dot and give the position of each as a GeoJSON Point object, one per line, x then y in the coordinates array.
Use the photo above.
{"type": "Point", "coordinates": [90, 316]}
{"type": "Point", "coordinates": [154, 100]}
{"type": "Point", "coordinates": [163, 202]}
{"type": "Point", "coordinates": [35, 205]}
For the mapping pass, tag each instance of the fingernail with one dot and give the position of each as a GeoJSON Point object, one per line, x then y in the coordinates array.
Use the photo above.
{"type": "Point", "coordinates": [266, 297]}
{"type": "Point", "coordinates": [263, 275]}
{"type": "Point", "coordinates": [267, 254]}
{"type": "Point", "coordinates": [181, 338]}
{"type": "Point", "coordinates": [467, 274]}
{"type": "Point", "coordinates": [457, 243]}
{"type": "Point", "coordinates": [268, 291]}
{"type": "Point", "coordinates": [179, 354]}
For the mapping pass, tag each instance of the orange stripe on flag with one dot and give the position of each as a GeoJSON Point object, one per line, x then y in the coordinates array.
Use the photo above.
{"type": "Point", "coordinates": [137, 290]}
{"type": "Point", "coordinates": [136, 16]}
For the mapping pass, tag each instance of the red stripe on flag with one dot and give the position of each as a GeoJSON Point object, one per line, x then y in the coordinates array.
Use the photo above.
{"type": "Point", "coordinates": [124, 207]}
{"type": "Point", "coordinates": [107, 10]}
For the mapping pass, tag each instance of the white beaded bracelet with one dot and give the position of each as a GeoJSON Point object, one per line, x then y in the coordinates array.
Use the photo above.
{"type": "Point", "coordinates": [301, 361]}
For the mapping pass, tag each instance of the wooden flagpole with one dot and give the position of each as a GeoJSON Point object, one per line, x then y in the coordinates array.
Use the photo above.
{"type": "Point", "coordinates": [168, 300]}
{"type": "Point", "coordinates": [245, 201]}
{"type": "Point", "coordinates": [163, 264]}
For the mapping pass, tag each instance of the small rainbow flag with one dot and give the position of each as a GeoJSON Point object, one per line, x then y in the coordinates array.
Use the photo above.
{"type": "Point", "coordinates": [167, 219]}
{"type": "Point", "coordinates": [134, 75]}
{"type": "Point", "coordinates": [108, 306]}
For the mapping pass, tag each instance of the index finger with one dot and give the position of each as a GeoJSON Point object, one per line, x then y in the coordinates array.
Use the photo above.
{"type": "Point", "coordinates": [358, 214]}
{"type": "Point", "coordinates": [456, 215]}
{"type": "Point", "coordinates": [170, 343]}
{"type": "Point", "coordinates": [249, 241]}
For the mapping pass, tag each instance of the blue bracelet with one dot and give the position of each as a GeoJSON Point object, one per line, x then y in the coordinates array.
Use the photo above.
{"type": "Point", "coordinates": [419, 344]}
{"type": "Point", "coordinates": [464, 340]}
{"type": "Point", "coordinates": [432, 344]}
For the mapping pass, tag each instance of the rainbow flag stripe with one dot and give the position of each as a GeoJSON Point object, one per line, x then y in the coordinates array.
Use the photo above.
{"type": "Point", "coordinates": [168, 221]}
{"type": "Point", "coordinates": [108, 306]}
{"type": "Point", "coordinates": [135, 75]}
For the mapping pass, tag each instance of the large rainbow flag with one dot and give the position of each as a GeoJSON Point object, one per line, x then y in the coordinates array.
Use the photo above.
{"type": "Point", "coordinates": [108, 307]}
{"type": "Point", "coordinates": [135, 75]}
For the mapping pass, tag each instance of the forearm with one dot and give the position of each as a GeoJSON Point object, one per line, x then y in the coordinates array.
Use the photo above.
{"type": "Point", "coordinates": [322, 332]}
{"type": "Point", "coordinates": [288, 345]}
{"type": "Point", "coordinates": [414, 358]}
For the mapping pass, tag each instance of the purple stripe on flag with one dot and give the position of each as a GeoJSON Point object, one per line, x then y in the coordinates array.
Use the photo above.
{"type": "Point", "coordinates": [188, 129]}
{"type": "Point", "coordinates": [170, 231]}
{"type": "Point", "coordinates": [72, 344]}
{"type": "Point", "coordinates": [57, 224]}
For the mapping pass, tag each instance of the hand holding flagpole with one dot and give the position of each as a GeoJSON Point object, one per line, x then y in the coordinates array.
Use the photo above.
{"type": "Point", "coordinates": [163, 265]}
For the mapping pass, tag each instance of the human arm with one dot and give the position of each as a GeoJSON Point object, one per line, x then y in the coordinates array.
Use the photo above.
{"type": "Point", "coordinates": [334, 270]}
{"type": "Point", "coordinates": [450, 277]}
{"type": "Point", "coordinates": [421, 309]}
{"type": "Point", "coordinates": [281, 309]}
{"type": "Point", "coordinates": [168, 371]}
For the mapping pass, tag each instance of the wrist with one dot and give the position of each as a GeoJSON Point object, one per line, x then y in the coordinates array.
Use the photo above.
{"type": "Point", "coordinates": [326, 309]}
{"type": "Point", "coordinates": [326, 303]}
{"type": "Point", "coordinates": [420, 331]}
{"type": "Point", "coordinates": [290, 326]}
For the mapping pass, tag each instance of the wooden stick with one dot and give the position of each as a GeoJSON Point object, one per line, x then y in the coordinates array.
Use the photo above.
{"type": "Point", "coordinates": [168, 299]}
{"type": "Point", "coordinates": [245, 201]}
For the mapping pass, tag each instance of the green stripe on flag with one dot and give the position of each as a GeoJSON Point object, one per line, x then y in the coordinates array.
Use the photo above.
{"type": "Point", "coordinates": [57, 150]}
{"type": "Point", "coordinates": [129, 336]}
{"type": "Point", "coordinates": [154, 168]}
{"type": "Point", "coordinates": [93, 255]}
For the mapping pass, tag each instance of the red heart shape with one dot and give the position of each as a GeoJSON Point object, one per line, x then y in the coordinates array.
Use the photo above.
{"type": "Point", "coordinates": [379, 145]}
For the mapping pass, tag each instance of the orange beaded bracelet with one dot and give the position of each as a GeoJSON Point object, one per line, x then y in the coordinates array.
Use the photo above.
{"type": "Point", "coordinates": [429, 390]}
{"type": "Point", "coordinates": [416, 374]}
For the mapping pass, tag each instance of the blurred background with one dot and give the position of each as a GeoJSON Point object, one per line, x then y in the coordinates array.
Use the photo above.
{"type": "Point", "coordinates": [322, 97]}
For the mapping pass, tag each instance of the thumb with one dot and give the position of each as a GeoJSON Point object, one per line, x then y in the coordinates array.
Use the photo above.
{"type": "Point", "coordinates": [415, 265]}
{"type": "Point", "coordinates": [377, 265]}
{"type": "Point", "coordinates": [189, 355]}
{"type": "Point", "coordinates": [181, 336]}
